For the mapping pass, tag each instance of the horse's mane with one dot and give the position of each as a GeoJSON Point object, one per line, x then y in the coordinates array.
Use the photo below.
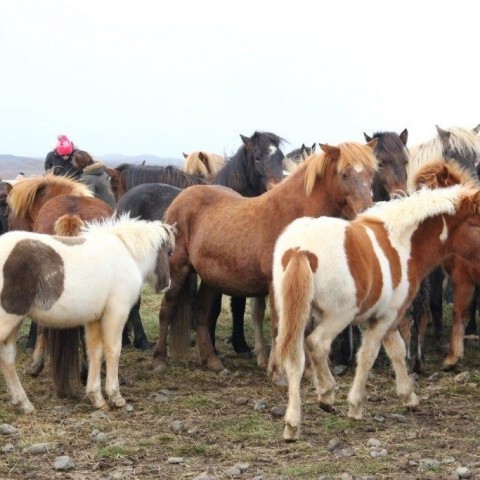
{"type": "Point", "coordinates": [453, 173]}
{"type": "Point", "coordinates": [263, 139]}
{"type": "Point", "coordinates": [464, 140]}
{"type": "Point", "coordinates": [24, 193]}
{"type": "Point", "coordinates": [390, 142]}
{"type": "Point", "coordinates": [351, 153]}
{"type": "Point", "coordinates": [400, 215]}
{"type": "Point", "coordinates": [137, 174]}
{"type": "Point", "coordinates": [195, 166]}
{"type": "Point", "coordinates": [139, 236]}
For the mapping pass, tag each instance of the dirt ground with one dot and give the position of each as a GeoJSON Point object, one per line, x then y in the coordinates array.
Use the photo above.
{"type": "Point", "coordinates": [193, 414]}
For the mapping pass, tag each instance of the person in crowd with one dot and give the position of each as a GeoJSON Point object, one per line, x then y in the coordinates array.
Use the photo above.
{"type": "Point", "coordinates": [93, 174]}
{"type": "Point", "coordinates": [59, 160]}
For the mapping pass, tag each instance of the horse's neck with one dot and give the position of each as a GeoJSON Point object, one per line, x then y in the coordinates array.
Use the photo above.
{"type": "Point", "coordinates": [234, 175]}
{"type": "Point", "coordinates": [430, 244]}
{"type": "Point", "coordinates": [290, 198]}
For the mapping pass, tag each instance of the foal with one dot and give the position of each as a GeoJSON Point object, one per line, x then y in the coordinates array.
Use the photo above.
{"type": "Point", "coordinates": [329, 273]}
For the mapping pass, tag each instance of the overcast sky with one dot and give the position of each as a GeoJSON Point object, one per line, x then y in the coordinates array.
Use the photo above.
{"type": "Point", "coordinates": [166, 77]}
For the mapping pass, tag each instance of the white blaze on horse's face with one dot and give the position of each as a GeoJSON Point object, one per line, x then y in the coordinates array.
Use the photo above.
{"type": "Point", "coordinates": [272, 149]}
{"type": "Point", "coordinates": [358, 168]}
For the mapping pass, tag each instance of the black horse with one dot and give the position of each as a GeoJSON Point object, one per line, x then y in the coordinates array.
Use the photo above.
{"type": "Point", "coordinates": [255, 167]}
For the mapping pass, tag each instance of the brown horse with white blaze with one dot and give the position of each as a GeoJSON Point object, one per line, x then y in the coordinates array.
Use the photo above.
{"type": "Point", "coordinates": [228, 240]}
{"type": "Point", "coordinates": [328, 273]}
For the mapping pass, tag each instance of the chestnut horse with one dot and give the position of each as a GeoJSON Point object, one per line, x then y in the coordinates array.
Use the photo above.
{"type": "Point", "coordinates": [203, 163]}
{"type": "Point", "coordinates": [464, 276]}
{"type": "Point", "coordinates": [328, 273]}
{"type": "Point", "coordinates": [228, 241]}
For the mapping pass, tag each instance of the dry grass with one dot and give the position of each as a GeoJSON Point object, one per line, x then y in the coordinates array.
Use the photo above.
{"type": "Point", "coordinates": [217, 433]}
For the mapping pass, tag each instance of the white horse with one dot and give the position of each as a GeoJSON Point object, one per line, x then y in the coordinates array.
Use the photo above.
{"type": "Point", "coordinates": [329, 273]}
{"type": "Point", "coordinates": [91, 280]}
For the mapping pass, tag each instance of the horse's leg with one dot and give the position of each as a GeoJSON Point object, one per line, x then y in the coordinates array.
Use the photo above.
{"type": "Point", "coordinates": [93, 336]}
{"type": "Point", "coordinates": [273, 368]}
{"type": "Point", "coordinates": [112, 326]}
{"type": "Point", "coordinates": [318, 345]}
{"type": "Point", "coordinates": [471, 328]}
{"type": "Point", "coordinates": [204, 302]}
{"type": "Point", "coordinates": [294, 364]}
{"type": "Point", "coordinates": [368, 352]}
{"type": "Point", "coordinates": [32, 337]}
{"type": "Point", "coordinates": [37, 362]}
{"type": "Point", "coordinates": [257, 309]}
{"type": "Point", "coordinates": [463, 289]}
{"type": "Point", "coordinates": [213, 317]}
{"type": "Point", "coordinates": [140, 339]}
{"type": "Point", "coordinates": [8, 350]}
{"type": "Point", "coordinates": [436, 300]}
{"type": "Point", "coordinates": [237, 305]}
{"type": "Point", "coordinates": [395, 348]}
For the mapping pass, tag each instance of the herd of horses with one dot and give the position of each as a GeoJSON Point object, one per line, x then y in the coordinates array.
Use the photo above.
{"type": "Point", "coordinates": [335, 236]}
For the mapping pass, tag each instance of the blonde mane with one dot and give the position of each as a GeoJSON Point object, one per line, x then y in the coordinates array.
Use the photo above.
{"type": "Point", "coordinates": [139, 236]}
{"type": "Point", "coordinates": [24, 193]}
{"type": "Point", "coordinates": [351, 154]}
{"type": "Point", "coordinates": [464, 140]}
{"type": "Point", "coordinates": [452, 174]}
{"type": "Point", "coordinates": [195, 166]}
{"type": "Point", "coordinates": [405, 214]}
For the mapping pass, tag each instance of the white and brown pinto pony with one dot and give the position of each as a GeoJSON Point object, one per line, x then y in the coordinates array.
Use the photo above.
{"type": "Point", "coordinates": [329, 273]}
{"type": "Point", "coordinates": [91, 280]}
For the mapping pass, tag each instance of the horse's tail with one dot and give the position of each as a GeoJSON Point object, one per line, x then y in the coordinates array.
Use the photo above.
{"type": "Point", "coordinates": [63, 344]}
{"type": "Point", "coordinates": [182, 321]}
{"type": "Point", "coordinates": [68, 225]}
{"type": "Point", "coordinates": [293, 301]}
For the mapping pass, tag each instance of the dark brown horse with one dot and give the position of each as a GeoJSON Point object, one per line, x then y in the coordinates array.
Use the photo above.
{"type": "Point", "coordinates": [228, 239]}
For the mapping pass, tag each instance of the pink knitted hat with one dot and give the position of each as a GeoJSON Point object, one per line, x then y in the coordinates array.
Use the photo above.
{"type": "Point", "coordinates": [64, 145]}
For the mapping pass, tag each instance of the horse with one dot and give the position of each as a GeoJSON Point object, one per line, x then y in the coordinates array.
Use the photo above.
{"type": "Point", "coordinates": [64, 342]}
{"type": "Point", "coordinates": [5, 187]}
{"type": "Point", "coordinates": [458, 144]}
{"type": "Point", "coordinates": [329, 272]}
{"type": "Point", "coordinates": [228, 241]}
{"type": "Point", "coordinates": [464, 275]}
{"type": "Point", "coordinates": [297, 156]}
{"type": "Point", "coordinates": [203, 163]}
{"type": "Point", "coordinates": [389, 181]}
{"type": "Point", "coordinates": [60, 282]}
{"type": "Point", "coordinates": [255, 167]}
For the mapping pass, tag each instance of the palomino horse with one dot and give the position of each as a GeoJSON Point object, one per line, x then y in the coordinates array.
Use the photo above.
{"type": "Point", "coordinates": [464, 276]}
{"type": "Point", "coordinates": [66, 286]}
{"type": "Point", "coordinates": [255, 167]}
{"type": "Point", "coordinates": [328, 273]}
{"type": "Point", "coordinates": [203, 163]}
{"type": "Point", "coordinates": [238, 261]}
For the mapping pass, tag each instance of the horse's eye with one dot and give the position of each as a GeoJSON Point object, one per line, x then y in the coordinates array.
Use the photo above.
{"type": "Point", "coordinates": [380, 165]}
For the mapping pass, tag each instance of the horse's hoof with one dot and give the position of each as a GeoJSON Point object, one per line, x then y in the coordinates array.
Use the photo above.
{"type": "Point", "coordinates": [279, 380]}
{"type": "Point", "coordinates": [35, 368]}
{"type": "Point", "coordinates": [413, 402]}
{"type": "Point", "coordinates": [242, 349]}
{"type": "Point", "coordinates": [326, 407]}
{"type": "Point", "coordinates": [450, 363]}
{"type": "Point", "coordinates": [215, 364]}
{"type": "Point", "coordinates": [290, 433]}
{"type": "Point", "coordinates": [247, 354]}
{"type": "Point", "coordinates": [143, 344]}
{"type": "Point", "coordinates": [118, 402]}
{"type": "Point", "coordinates": [25, 407]}
{"type": "Point", "coordinates": [159, 366]}
{"type": "Point", "coordinates": [355, 412]}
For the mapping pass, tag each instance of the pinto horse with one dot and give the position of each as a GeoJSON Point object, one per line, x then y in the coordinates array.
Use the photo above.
{"type": "Point", "coordinates": [255, 167]}
{"type": "Point", "coordinates": [238, 261]}
{"type": "Point", "coordinates": [59, 282]}
{"type": "Point", "coordinates": [328, 273]}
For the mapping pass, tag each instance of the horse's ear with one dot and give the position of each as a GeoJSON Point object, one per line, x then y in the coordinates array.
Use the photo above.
{"type": "Point", "coordinates": [477, 128]}
{"type": "Point", "coordinates": [110, 171]}
{"type": "Point", "coordinates": [332, 152]}
{"type": "Point", "coordinates": [185, 155]}
{"type": "Point", "coordinates": [247, 141]}
{"type": "Point", "coordinates": [372, 143]}
{"type": "Point", "coordinates": [443, 134]}
{"type": "Point", "coordinates": [314, 146]}
{"type": "Point", "coordinates": [368, 138]}
{"type": "Point", "coordinates": [203, 158]}
{"type": "Point", "coordinates": [404, 137]}
{"type": "Point", "coordinates": [443, 176]}
{"type": "Point", "coordinates": [8, 187]}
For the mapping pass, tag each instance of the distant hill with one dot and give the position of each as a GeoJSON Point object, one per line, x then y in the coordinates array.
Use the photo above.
{"type": "Point", "coordinates": [12, 165]}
